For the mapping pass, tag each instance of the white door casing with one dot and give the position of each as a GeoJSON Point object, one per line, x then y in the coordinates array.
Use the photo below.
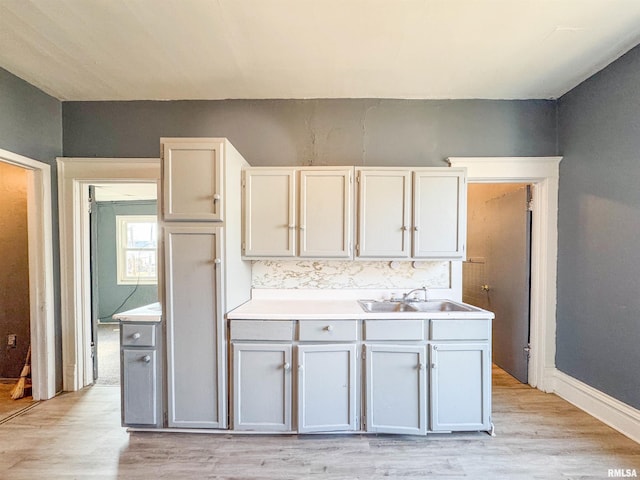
{"type": "Point", "coordinates": [543, 173]}
{"type": "Point", "coordinates": [40, 245]}
{"type": "Point", "coordinates": [74, 177]}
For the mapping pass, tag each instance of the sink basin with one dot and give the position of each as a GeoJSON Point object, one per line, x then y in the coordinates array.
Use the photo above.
{"type": "Point", "coordinates": [440, 306]}
{"type": "Point", "coordinates": [374, 306]}
{"type": "Point", "coordinates": [384, 306]}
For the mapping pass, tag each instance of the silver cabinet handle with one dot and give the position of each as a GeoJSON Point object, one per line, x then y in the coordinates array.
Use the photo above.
{"type": "Point", "coordinates": [136, 336]}
{"type": "Point", "coordinates": [146, 358]}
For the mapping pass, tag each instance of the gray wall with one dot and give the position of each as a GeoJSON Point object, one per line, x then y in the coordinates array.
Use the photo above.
{"type": "Point", "coordinates": [318, 132]}
{"type": "Point", "coordinates": [598, 331]}
{"type": "Point", "coordinates": [113, 298]}
{"type": "Point", "coordinates": [31, 125]}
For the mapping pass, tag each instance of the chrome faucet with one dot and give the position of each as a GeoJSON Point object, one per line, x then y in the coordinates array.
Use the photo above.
{"type": "Point", "coordinates": [406, 298]}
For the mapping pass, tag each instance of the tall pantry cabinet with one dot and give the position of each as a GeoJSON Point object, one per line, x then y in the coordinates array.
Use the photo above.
{"type": "Point", "coordinates": [204, 275]}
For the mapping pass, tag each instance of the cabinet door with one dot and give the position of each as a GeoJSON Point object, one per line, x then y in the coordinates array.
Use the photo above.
{"type": "Point", "coordinates": [396, 382]}
{"type": "Point", "coordinates": [384, 213]}
{"type": "Point", "coordinates": [139, 387]}
{"type": "Point", "coordinates": [325, 213]}
{"type": "Point", "coordinates": [262, 387]}
{"type": "Point", "coordinates": [269, 213]}
{"type": "Point", "coordinates": [439, 214]}
{"type": "Point", "coordinates": [192, 181]}
{"type": "Point", "coordinates": [195, 329]}
{"type": "Point", "coordinates": [326, 388]}
{"type": "Point", "coordinates": [460, 387]}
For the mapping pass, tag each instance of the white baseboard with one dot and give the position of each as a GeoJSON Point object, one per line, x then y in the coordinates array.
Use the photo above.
{"type": "Point", "coordinates": [605, 408]}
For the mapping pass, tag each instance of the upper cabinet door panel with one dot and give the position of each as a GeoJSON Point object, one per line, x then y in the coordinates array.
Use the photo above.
{"type": "Point", "coordinates": [193, 186]}
{"type": "Point", "coordinates": [325, 213]}
{"type": "Point", "coordinates": [269, 213]}
{"type": "Point", "coordinates": [383, 213]}
{"type": "Point", "coordinates": [439, 214]}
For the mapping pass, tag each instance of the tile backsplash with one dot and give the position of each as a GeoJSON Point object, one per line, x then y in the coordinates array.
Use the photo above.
{"type": "Point", "coordinates": [309, 274]}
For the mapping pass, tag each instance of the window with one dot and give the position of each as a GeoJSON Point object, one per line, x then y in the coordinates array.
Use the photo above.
{"type": "Point", "coordinates": [137, 249]}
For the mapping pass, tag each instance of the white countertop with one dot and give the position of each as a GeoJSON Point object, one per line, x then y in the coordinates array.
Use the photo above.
{"type": "Point", "coordinates": [322, 309]}
{"type": "Point", "coordinates": [146, 313]}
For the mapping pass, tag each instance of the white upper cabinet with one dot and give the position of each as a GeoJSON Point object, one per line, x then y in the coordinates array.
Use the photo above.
{"type": "Point", "coordinates": [439, 213]}
{"type": "Point", "coordinates": [303, 212]}
{"type": "Point", "coordinates": [384, 213]}
{"type": "Point", "coordinates": [398, 218]}
{"type": "Point", "coordinates": [269, 212]}
{"type": "Point", "coordinates": [192, 179]}
{"type": "Point", "coordinates": [325, 213]}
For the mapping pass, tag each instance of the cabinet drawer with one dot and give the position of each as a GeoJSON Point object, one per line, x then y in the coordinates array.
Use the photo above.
{"type": "Point", "coordinates": [328, 330]}
{"type": "Point", "coordinates": [460, 329]}
{"type": "Point", "coordinates": [261, 330]}
{"type": "Point", "coordinates": [136, 335]}
{"type": "Point", "coordinates": [393, 330]}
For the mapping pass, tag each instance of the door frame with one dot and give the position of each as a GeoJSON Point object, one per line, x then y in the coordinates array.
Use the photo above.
{"type": "Point", "coordinates": [74, 177]}
{"type": "Point", "coordinates": [41, 297]}
{"type": "Point", "coordinates": [543, 174]}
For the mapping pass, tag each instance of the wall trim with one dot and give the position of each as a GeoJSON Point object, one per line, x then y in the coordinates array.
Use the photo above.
{"type": "Point", "coordinates": [611, 411]}
{"type": "Point", "coordinates": [74, 177]}
{"type": "Point", "coordinates": [40, 244]}
{"type": "Point", "coordinates": [543, 173]}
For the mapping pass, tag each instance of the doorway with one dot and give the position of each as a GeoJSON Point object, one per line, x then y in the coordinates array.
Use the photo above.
{"type": "Point", "coordinates": [123, 265]}
{"type": "Point", "coordinates": [74, 177]}
{"type": "Point", "coordinates": [36, 299]}
{"type": "Point", "coordinates": [497, 273]}
{"type": "Point", "coordinates": [542, 172]}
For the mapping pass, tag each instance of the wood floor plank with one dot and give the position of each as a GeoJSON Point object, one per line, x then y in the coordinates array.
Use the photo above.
{"type": "Point", "coordinates": [539, 436]}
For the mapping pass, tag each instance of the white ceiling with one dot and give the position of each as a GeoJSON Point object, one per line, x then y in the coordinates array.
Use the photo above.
{"type": "Point", "coordinates": [217, 49]}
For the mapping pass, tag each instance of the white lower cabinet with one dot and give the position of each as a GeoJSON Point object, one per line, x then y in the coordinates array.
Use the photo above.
{"type": "Point", "coordinates": [196, 363]}
{"type": "Point", "coordinates": [262, 386]}
{"type": "Point", "coordinates": [327, 388]}
{"type": "Point", "coordinates": [414, 376]}
{"type": "Point", "coordinates": [460, 387]}
{"type": "Point", "coordinates": [396, 389]}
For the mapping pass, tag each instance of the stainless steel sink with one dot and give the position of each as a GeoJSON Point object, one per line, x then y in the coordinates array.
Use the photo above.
{"type": "Point", "coordinates": [386, 306]}
{"type": "Point", "coordinates": [440, 306]}
{"type": "Point", "coordinates": [376, 306]}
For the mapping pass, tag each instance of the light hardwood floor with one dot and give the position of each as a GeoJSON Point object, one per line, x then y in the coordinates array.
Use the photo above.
{"type": "Point", "coordinates": [539, 436]}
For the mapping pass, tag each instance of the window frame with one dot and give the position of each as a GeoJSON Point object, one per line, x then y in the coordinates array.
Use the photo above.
{"type": "Point", "coordinates": [122, 222]}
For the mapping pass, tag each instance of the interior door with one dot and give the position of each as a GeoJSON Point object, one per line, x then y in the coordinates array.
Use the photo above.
{"type": "Point", "coordinates": [93, 249]}
{"type": "Point", "coordinates": [508, 267]}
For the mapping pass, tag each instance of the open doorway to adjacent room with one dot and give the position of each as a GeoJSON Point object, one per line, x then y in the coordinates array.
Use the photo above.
{"type": "Point", "coordinates": [123, 265]}
{"type": "Point", "coordinates": [497, 273]}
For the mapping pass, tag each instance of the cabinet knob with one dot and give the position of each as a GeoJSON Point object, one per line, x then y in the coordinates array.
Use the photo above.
{"type": "Point", "coordinates": [421, 366]}
{"type": "Point", "coordinates": [329, 328]}
{"type": "Point", "coordinates": [415, 229]}
{"type": "Point", "coordinates": [136, 336]}
{"type": "Point", "coordinates": [287, 366]}
{"type": "Point", "coordinates": [216, 197]}
{"type": "Point", "coordinates": [146, 358]}
{"type": "Point", "coordinates": [302, 227]}
{"type": "Point", "coordinates": [433, 365]}
{"type": "Point", "coordinates": [404, 228]}
{"type": "Point", "coordinates": [291, 227]}
{"type": "Point", "coordinates": [217, 261]}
